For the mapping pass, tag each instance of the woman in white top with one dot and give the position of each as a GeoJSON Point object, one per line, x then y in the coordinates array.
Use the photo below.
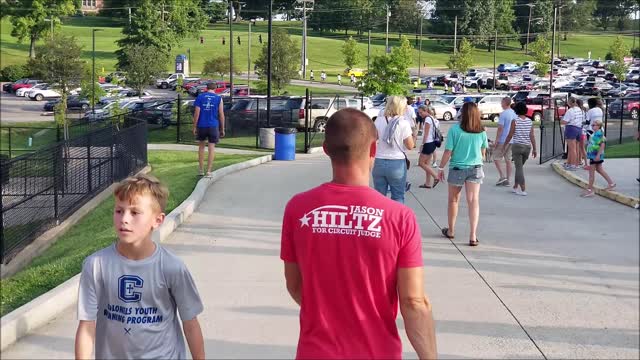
{"type": "Point", "coordinates": [428, 150]}
{"type": "Point", "coordinates": [595, 113]}
{"type": "Point", "coordinates": [573, 119]}
{"type": "Point", "coordinates": [394, 138]}
{"type": "Point", "coordinates": [523, 142]}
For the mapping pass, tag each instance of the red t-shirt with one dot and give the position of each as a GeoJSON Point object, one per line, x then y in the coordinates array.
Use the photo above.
{"type": "Point", "coordinates": [349, 242]}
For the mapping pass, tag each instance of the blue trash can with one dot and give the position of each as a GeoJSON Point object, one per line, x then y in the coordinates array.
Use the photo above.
{"type": "Point", "coordinates": [285, 148]}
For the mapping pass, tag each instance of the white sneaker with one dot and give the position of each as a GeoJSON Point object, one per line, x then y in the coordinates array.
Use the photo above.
{"type": "Point", "coordinates": [515, 190]}
{"type": "Point", "coordinates": [520, 192]}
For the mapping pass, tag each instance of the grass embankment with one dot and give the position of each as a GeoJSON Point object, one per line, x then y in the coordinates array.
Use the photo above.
{"type": "Point", "coordinates": [630, 149]}
{"type": "Point", "coordinates": [63, 260]}
{"type": "Point", "coordinates": [323, 48]}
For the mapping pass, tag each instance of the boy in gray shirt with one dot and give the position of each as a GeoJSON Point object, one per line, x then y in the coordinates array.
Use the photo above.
{"type": "Point", "coordinates": [132, 291]}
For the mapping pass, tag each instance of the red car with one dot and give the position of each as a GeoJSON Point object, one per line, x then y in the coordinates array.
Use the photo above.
{"type": "Point", "coordinates": [631, 103]}
{"type": "Point", "coordinates": [24, 83]}
{"type": "Point", "coordinates": [535, 107]}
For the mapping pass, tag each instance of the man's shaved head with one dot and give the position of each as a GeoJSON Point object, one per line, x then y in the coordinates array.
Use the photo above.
{"type": "Point", "coordinates": [348, 136]}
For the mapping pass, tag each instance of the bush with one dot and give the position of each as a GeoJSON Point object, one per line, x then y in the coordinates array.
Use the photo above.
{"type": "Point", "coordinates": [635, 52]}
{"type": "Point", "coordinates": [608, 56]}
{"type": "Point", "coordinates": [14, 72]}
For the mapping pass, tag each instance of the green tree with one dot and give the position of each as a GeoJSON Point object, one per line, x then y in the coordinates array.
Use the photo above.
{"type": "Point", "coordinates": [58, 62]}
{"type": "Point", "coordinates": [219, 66]}
{"type": "Point", "coordinates": [215, 11]}
{"type": "Point", "coordinates": [505, 17]}
{"type": "Point", "coordinates": [619, 50]}
{"type": "Point", "coordinates": [28, 18]}
{"type": "Point", "coordinates": [462, 60]}
{"type": "Point", "coordinates": [145, 63]}
{"type": "Point", "coordinates": [284, 61]}
{"type": "Point", "coordinates": [541, 51]}
{"type": "Point", "coordinates": [351, 52]}
{"type": "Point", "coordinates": [161, 24]}
{"type": "Point", "coordinates": [614, 13]}
{"type": "Point", "coordinates": [389, 72]}
{"type": "Point", "coordinates": [541, 18]}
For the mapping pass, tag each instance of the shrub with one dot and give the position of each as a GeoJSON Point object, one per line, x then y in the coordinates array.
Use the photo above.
{"type": "Point", "coordinates": [14, 72]}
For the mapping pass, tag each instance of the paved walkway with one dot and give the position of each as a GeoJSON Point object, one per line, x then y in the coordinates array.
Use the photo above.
{"type": "Point", "coordinates": [623, 171]}
{"type": "Point", "coordinates": [554, 274]}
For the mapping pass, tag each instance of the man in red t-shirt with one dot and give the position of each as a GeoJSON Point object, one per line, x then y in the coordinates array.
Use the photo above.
{"type": "Point", "coordinates": [351, 255]}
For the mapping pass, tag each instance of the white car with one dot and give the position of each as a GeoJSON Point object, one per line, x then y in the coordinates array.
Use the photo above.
{"type": "Point", "coordinates": [490, 107]}
{"type": "Point", "coordinates": [22, 92]}
{"type": "Point", "coordinates": [443, 110]}
{"type": "Point", "coordinates": [41, 94]}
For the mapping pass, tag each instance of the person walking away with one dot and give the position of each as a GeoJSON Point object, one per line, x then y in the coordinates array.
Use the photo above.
{"type": "Point", "coordinates": [523, 142]}
{"type": "Point", "coordinates": [311, 75]}
{"type": "Point", "coordinates": [502, 149]}
{"type": "Point", "coordinates": [572, 120]}
{"type": "Point", "coordinates": [429, 145]}
{"type": "Point", "coordinates": [339, 79]}
{"type": "Point", "coordinates": [465, 147]}
{"type": "Point", "coordinates": [595, 112]}
{"type": "Point", "coordinates": [595, 153]}
{"type": "Point", "coordinates": [394, 138]}
{"type": "Point", "coordinates": [208, 125]}
{"type": "Point", "coordinates": [331, 225]}
{"type": "Point", "coordinates": [131, 292]}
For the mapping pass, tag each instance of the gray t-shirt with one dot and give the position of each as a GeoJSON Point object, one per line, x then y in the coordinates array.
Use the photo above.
{"type": "Point", "coordinates": [134, 304]}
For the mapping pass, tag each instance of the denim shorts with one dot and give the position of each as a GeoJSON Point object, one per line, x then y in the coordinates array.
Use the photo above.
{"type": "Point", "coordinates": [457, 177]}
{"type": "Point", "coordinates": [572, 133]}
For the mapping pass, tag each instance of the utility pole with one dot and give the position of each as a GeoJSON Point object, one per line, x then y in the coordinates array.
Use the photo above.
{"type": "Point", "coordinates": [526, 47]}
{"type": "Point", "coordinates": [553, 45]}
{"type": "Point", "coordinates": [249, 63]}
{"type": "Point", "coordinates": [304, 9]}
{"type": "Point", "coordinates": [162, 12]}
{"type": "Point", "coordinates": [369, 50]}
{"type": "Point", "coordinates": [559, 30]}
{"type": "Point", "coordinates": [420, 51]}
{"type": "Point", "coordinates": [269, 54]}
{"type": "Point", "coordinates": [129, 16]}
{"type": "Point", "coordinates": [231, 50]}
{"type": "Point", "coordinates": [455, 35]}
{"type": "Point", "coordinates": [386, 41]}
{"type": "Point", "coordinates": [495, 51]}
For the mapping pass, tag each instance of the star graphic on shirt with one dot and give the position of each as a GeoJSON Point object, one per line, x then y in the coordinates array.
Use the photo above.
{"type": "Point", "coordinates": [304, 221]}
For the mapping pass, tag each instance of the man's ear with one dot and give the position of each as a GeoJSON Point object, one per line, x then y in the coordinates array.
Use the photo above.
{"type": "Point", "coordinates": [372, 149]}
{"type": "Point", "coordinates": [324, 147]}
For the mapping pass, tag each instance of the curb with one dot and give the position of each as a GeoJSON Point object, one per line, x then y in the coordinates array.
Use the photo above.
{"type": "Point", "coordinates": [49, 305]}
{"type": "Point", "coordinates": [609, 194]}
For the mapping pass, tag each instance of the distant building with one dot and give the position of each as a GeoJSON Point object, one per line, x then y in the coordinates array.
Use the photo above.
{"type": "Point", "coordinates": [92, 6]}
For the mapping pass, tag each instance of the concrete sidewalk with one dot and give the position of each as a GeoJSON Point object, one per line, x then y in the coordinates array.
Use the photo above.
{"type": "Point", "coordinates": [554, 274]}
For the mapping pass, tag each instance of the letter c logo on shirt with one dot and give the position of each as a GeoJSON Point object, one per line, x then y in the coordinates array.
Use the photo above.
{"type": "Point", "coordinates": [126, 286]}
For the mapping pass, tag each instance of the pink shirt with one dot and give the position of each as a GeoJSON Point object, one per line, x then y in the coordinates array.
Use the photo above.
{"type": "Point", "coordinates": [349, 242]}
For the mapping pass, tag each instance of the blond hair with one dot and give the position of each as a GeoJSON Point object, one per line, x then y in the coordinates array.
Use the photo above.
{"type": "Point", "coordinates": [396, 105]}
{"type": "Point", "coordinates": [140, 185]}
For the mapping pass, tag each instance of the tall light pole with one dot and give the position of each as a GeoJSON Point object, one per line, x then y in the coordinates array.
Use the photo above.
{"type": "Point", "coordinates": [93, 78]}
{"type": "Point", "coordinates": [304, 9]}
{"type": "Point", "coordinates": [231, 50]}
{"type": "Point", "coordinates": [559, 28]}
{"type": "Point", "coordinates": [51, 22]}
{"type": "Point", "coordinates": [249, 62]}
{"type": "Point", "coordinates": [386, 41]}
{"type": "Point", "coordinates": [526, 47]}
{"type": "Point", "coordinates": [369, 50]}
{"type": "Point", "coordinates": [553, 45]}
{"type": "Point", "coordinates": [420, 51]}
{"type": "Point", "coordinates": [495, 51]}
{"type": "Point", "coordinates": [455, 35]}
{"type": "Point", "coordinates": [269, 53]}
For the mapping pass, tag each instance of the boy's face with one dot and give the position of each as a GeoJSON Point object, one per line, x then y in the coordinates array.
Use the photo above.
{"type": "Point", "coordinates": [134, 221]}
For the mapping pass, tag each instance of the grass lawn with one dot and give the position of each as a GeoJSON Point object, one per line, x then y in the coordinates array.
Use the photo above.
{"type": "Point", "coordinates": [323, 48]}
{"type": "Point", "coordinates": [629, 149]}
{"type": "Point", "coordinates": [16, 136]}
{"type": "Point", "coordinates": [64, 259]}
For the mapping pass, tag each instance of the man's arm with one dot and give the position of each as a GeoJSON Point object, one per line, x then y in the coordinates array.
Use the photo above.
{"type": "Point", "coordinates": [532, 136]}
{"type": "Point", "coordinates": [193, 333]}
{"type": "Point", "coordinates": [512, 131]}
{"type": "Point", "coordinates": [85, 339]}
{"type": "Point", "coordinates": [196, 115]}
{"type": "Point", "coordinates": [416, 312]}
{"type": "Point", "coordinates": [221, 117]}
{"type": "Point", "coordinates": [294, 281]}
{"type": "Point", "coordinates": [499, 134]}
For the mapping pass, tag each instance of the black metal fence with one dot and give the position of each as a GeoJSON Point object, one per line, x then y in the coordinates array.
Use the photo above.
{"type": "Point", "coordinates": [42, 188]}
{"type": "Point", "coordinates": [621, 119]}
{"type": "Point", "coordinates": [551, 134]}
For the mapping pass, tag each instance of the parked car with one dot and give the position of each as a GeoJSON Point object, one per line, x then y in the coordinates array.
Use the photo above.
{"type": "Point", "coordinates": [444, 111]}
{"type": "Point", "coordinates": [202, 87]}
{"type": "Point", "coordinates": [537, 105]}
{"type": "Point", "coordinates": [167, 81]}
{"type": "Point", "coordinates": [73, 103]}
{"type": "Point", "coordinates": [626, 106]}
{"type": "Point", "coordinates": [27, 83]}
{"type": "Point", "coordinates": [6, 87]}
{"type": "Point", "coordinates": [106, 110]}
{"type": "Point", "coordinates": [248, 113]}
{"type": "Point", "coordinates": [43, 93]}
{"type": "Point", "coordinates": [116, 76]}
{"type": "Point", "coordinates": [508, 68]}
{"type": "Point", "coordinates": [355, 72]}
{"type": "Point", "coordinates": [320, 111]}
{"type": "Point", "coordinates": [490, 107]}
{"type": "Point", "coordinates": [22, 92]}
{"type": "Point", "coordinates": [378, 99]}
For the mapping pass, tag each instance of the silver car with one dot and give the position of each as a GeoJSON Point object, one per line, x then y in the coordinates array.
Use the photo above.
{"type": "Point", "coordinates": [443, 110]}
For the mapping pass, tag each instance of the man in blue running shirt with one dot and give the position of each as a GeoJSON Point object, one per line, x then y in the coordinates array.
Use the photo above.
{"type": "Point", "coordinates": [208, 124]}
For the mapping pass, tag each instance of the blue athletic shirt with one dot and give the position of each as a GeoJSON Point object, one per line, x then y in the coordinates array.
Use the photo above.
{"type": "Point", "coordinates": [208, 104]}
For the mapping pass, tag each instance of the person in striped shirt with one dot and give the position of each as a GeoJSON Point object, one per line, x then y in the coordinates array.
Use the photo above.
{"type": "Point", "coordinates": [523, 143]}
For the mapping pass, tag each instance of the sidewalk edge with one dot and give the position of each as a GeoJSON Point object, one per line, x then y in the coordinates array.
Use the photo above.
{"type": "Point", "coordinates": [609, 194]}
{"type": "Point", "coordinates": [49, 305]}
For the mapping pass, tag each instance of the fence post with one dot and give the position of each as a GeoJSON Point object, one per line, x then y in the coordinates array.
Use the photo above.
{"type": "Point", "coordinates": [306, 120]}
{"type": "Point", "coordinates": [10, 142]}
{"type": "Point", "coordinates": [56, 156]}
{"type": "Point", "coordinates": [621, 121]}
{"type": "Point", "coordinates": [179, 118]}
{"type": "Point", "coordinates": [606, 115]}
{"type": "Point", "coordinates": [89, 186]}
{"type": "Point", "coordinates": [258, 123]}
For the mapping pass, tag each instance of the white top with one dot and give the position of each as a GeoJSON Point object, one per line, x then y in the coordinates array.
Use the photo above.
{"type": "Point", "coordinates": [395, 150]}
{"type": "Point", "coordinates": [593, 115]}
{"type": "Point", "coordinates": [410, 115]}
{"type": "Point", "coordinates": [432, 122]}
{"type": "Point", "coordinates": [522, 132]}
{"type": "Point", "coordinates": [574, 116]}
